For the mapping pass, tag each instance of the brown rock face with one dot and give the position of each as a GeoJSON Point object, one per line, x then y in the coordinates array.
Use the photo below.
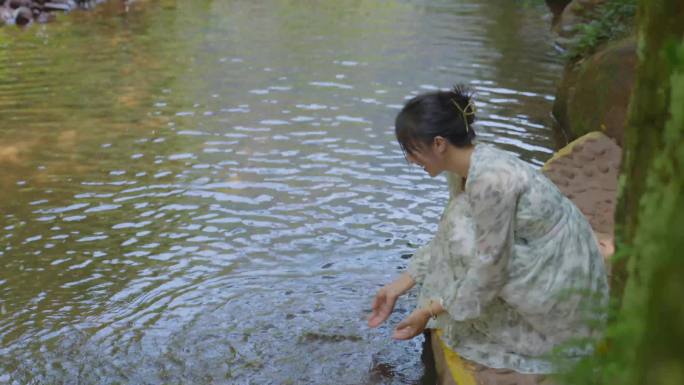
{"type": "Point", "coordinates": [576, 12]}
{"type": "Point", "coordinates": [594, 93]}
{"type": "Point", "coordinates": [557, 6]}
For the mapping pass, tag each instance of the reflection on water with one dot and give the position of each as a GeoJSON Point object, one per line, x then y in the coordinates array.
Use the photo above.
{"type": "Point", "coordinates": [211, 192]}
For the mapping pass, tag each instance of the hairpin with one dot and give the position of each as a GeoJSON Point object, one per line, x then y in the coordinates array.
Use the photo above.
{"type": "Point", "coordinates": [470, 106]}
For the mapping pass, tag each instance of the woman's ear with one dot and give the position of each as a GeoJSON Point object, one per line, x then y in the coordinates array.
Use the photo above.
{"type": "Point", "coordinates": [440, 144]}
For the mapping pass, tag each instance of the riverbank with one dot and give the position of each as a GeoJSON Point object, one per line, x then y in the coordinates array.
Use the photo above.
{"type": "Point", "coordinates": [644, 334]}
{"type": "Point", "coordinates": [597, 39]}
{"type": "Point", "coordinates": [592, 103]}
{"type": "Point", "coordinates": [25, 12]}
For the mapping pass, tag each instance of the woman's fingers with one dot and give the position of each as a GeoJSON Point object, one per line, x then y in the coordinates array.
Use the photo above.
{"type": "Point", "coordinates": [404, 332]}
{"type": "Point", "coordinates": [410, 327]}
{"type": "Point", "coordinates": [377, 315]}
{"type": "Point", "coordinates": [377, 300]}
{"type": "Point", "coordinates": [382, 307]}
{"type": "Point", "coordinates": [374, 319]}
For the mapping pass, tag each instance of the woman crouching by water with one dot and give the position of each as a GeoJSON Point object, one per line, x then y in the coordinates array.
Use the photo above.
{"type": "Point", "coordinates": [514, 274]}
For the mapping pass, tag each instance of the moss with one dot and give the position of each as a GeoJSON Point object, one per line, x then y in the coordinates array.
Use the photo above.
{"type": "Point", "coordinates": [659, 26]}
{"type": "Point", "coordinates": [645, 338]}
{"type": "Point", "coordinates": [659, 265]}
{"type": "Point", "coordinates": [612, 20]}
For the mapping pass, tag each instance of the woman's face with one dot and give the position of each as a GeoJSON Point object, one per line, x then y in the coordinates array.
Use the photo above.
{"type": "Point", "coordinates": [428, 158]}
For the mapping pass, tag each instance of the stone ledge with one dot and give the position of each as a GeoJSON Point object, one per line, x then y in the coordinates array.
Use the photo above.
{"type": "Point", "coordinates": [586, 171]}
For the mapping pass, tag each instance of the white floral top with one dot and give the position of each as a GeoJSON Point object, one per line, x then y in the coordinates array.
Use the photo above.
{"type": "Point", "coordinates": [516, 266]}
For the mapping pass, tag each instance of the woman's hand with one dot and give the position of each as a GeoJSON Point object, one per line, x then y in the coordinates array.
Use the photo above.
{"type": "Point", "coordinates": [384, 301]}
{"type": "Point", "coordinates": [383, 305]}
{"type": "Point", "coordinates": [412, 325]}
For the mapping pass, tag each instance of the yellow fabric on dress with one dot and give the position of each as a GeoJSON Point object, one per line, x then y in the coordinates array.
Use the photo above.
{"type": "Point", "coordinates": [460, 371]}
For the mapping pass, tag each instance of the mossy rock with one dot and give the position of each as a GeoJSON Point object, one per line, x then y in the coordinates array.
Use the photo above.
{"type": "Point", "coordinates": [574, 13]}
{"type": "Point", "coordinates": [594, 92]}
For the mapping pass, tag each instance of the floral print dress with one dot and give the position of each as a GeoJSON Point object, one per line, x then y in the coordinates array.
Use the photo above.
{"type": "Point", "coordinates": [516, 266]}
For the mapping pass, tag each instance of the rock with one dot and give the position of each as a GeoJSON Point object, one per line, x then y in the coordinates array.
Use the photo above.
{"type": "Point", "coordinates": [14, 4]}
{"type": "Point", "coordinates": [586, 171]}
{"type": "Point", "coordinates": [323, 337]}
{"type": "Point", "coordinates": [23, 16]}
{"type": "Point", "coordinates": [41, 11]}
{"type": "Point", "coordinates": [557, 6]}
{"type": "Point", "coordinates": [65, 6]}
{"type": "Point", "coordinates": [6, 15]}
{"type": "Point", "coordinates": [594, 92]}
{"type": "Point", "coordinates": [44, 17]}
{"type": "Point", "coordinates": [575, 13]}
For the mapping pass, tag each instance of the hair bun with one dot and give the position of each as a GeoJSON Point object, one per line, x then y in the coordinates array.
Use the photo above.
{"type": "Point", "coordinates": [462, 97]}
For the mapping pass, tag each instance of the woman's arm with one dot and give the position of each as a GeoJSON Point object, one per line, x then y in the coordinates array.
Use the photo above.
{"type": "Point", "coordinates": [383, 303]}
{"type": "Point", "coordinates": [418, 264]}
{"type": "Point", "coordinates": [402, 284]}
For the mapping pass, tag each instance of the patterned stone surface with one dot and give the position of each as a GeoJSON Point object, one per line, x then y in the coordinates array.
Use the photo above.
{"type": "Point", "coordinates": [586, 171]}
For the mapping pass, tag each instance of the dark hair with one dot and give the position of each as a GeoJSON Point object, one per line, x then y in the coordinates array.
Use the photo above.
{"type": "Point", "coordinates": [449, 114]}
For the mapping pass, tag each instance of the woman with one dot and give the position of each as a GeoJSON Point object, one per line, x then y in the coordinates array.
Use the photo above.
{"type": "Point", "coordinates": [514, 273]}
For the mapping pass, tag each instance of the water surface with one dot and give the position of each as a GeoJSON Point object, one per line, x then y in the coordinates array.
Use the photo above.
{"type": "Point", "coordinates": [210, 192]}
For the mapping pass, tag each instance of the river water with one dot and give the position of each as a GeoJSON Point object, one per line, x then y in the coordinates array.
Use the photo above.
{"type": "Point", "coordinates": [210, 192]}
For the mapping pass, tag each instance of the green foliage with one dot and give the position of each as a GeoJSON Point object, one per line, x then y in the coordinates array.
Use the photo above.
{"type": "Point", "coordinates": [531, 3]}
{"type": "Point", "coordinates": [612, 20]}
{"type": "Point", "coordinates": [658, 244]}
{"type": "Point", "coordinates": [645, 338]}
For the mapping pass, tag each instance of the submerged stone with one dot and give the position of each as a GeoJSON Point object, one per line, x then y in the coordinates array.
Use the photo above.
{"type": "Point", "coordinates": [23, 16]}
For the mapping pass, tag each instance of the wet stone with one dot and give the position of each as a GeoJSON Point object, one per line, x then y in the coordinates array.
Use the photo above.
{"type": "Point", "coordinates": [59, 6]}
{"type": "Point", "coordinates": [320, 337]}
{"type": "Point", "coordinates": [14, 4]}
{"type": "Point", "coordinates": [23, 16]}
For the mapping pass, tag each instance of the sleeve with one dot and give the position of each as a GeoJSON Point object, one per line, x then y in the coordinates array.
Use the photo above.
{"type": "Point", "coordinates": [418, 264]}
{"type": "Point", "coordinates": [493, 199]}
{"type": "Point", "coordinates": [417, 267]}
